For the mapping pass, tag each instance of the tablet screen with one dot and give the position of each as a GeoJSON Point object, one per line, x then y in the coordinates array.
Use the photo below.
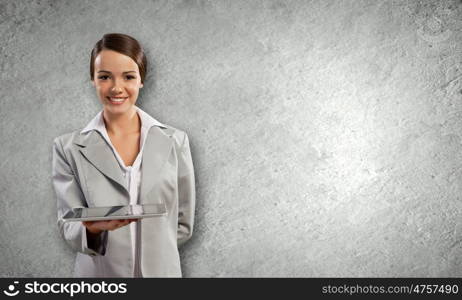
{"type": "Point", "coordinates": [115, 212]}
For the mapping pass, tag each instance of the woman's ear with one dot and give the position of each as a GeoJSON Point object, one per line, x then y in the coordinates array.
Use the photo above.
{"type": "Point", "coordinates": [141, 86]}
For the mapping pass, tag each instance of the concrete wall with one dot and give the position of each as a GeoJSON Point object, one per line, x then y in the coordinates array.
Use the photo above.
{"type": "Point", "coordinates": [326, 135]}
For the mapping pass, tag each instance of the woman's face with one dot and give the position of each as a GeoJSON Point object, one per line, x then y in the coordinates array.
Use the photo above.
{"type": "Point", "coordinates": [117, 81]}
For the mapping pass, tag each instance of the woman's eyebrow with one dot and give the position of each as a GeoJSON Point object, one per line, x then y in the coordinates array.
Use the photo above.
{"type": "Point", "coordinates": [110, 72]}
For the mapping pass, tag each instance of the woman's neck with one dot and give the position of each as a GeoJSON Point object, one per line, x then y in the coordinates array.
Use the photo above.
{"type": "Point", "coordinates": [123, 124]}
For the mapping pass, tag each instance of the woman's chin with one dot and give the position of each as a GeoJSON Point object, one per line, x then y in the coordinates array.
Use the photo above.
{"type": "Point", "coordinates": [118, 109]}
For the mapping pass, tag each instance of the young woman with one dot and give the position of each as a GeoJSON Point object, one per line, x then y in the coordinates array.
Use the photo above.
{"type": "Point", "coordinates": [124, 156]}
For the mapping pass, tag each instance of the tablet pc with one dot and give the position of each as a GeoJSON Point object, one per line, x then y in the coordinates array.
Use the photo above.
{"type": "Point", "coordinates": [135, 211]}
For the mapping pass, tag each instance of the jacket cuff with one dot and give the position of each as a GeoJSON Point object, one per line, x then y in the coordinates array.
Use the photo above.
{"type": "Point", "coordinates": [94, 246]}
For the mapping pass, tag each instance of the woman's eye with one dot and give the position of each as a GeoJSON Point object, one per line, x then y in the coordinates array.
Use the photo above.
{"type": "Point", "coordinates": [104, 77]}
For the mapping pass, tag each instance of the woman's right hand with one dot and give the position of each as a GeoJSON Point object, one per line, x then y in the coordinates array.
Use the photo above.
{"type": "Point", "coordinates": [96, 227]}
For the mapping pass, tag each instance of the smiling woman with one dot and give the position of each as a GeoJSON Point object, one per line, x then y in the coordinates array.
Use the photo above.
{"type": "Point", "coordinates": [117, 89]}
{"type": "Point", "coordinates": [124, 156]}
{"type": "Point", "coordinates": [120, 67]}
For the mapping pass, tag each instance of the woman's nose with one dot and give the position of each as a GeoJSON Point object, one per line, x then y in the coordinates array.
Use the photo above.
{"type": "Point", "coordinates": [116, 87]}
{"type": "Point", "coordinates": [116, 90]}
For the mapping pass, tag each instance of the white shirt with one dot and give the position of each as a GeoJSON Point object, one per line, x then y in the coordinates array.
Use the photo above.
{"type": "Point", "coordinates": [131, 173]}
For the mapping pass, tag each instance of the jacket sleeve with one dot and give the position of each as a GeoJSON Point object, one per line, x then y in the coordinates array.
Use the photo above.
{"type": "Point", "coordinates": [69, 195]}
{"type": "Point", "coordinates": [186, 193]}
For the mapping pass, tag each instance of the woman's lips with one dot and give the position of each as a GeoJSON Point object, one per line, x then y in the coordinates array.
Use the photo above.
{"type": "Point", "coordinates": [117, 100]}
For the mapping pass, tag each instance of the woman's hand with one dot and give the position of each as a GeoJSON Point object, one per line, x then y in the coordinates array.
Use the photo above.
{"type": "Point", "coordinates": [96, 227]}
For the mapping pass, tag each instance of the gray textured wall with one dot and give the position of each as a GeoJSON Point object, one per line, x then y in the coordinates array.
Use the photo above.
{"type": "Point", "coordinates": [326, 135]}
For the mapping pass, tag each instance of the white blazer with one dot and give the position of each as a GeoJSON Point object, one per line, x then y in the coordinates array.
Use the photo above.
{"type": "Point", "coordinates": [85, 173]}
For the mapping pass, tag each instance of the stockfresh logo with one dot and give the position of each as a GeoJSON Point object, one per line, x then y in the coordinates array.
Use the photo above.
{"type": "Point", "coordinates": [11, 290]}
{"type": "Point", "coordinates": [66, 288]}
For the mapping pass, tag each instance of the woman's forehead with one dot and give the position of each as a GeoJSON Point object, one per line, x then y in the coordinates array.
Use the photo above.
{"type": "Point", "coordinates": [107, 60]}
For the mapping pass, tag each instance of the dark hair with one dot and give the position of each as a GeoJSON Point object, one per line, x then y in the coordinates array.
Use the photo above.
{"type": "Point", "coordinates": [123, 44]}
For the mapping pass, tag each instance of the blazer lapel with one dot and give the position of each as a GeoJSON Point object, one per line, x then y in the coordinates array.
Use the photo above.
{"type": "Point", "coordinates": [155, 154]}
{"type": "Point", "coordinates": [100, 155]}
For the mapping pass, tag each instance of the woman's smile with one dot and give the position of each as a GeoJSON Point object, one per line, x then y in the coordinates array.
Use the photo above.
{"type": "Point", "coordinates": [117, 100]}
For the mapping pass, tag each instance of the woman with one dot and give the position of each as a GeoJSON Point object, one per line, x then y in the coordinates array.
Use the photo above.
{"type": "Point", "coordinates": [124, 156]}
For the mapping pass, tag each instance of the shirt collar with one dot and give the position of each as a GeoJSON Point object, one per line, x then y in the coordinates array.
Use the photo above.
{"type": "Point", "coordinates": [97, 123]}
